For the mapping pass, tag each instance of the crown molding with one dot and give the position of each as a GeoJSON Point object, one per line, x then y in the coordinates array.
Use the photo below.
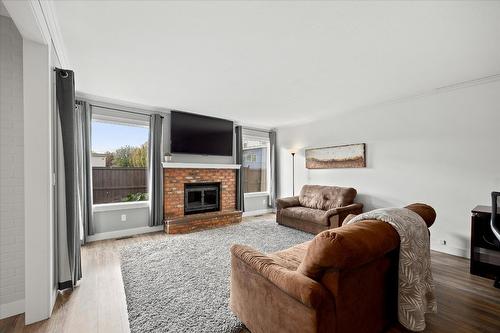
{"type": "Point", "coordinates": [487, 79]}
{"type": "Point", "coordinates": [439, 90]}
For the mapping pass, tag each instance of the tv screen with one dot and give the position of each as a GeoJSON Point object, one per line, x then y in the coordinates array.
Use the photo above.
{"type": "Point", "coordinates": [195, 134]}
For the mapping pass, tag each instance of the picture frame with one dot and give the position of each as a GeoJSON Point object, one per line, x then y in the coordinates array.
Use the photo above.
{"type": "Point", "coordinates": [334, 157]}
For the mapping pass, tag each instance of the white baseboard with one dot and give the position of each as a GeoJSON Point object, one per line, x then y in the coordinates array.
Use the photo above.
{"type": "Point", "coordinates": [464, 253]}
{"type": "Point", "coordinates": [11, 309]}
{"type": "Point", "coordinates": [258, 212]}
{"type": "Point", "coordinates": [123, 233]}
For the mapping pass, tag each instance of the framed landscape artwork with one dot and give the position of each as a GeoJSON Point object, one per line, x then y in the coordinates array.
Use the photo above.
{"type": "Point", "coordinates": [346, 156]}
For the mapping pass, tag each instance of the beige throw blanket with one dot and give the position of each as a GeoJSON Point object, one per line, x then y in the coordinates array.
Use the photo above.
{"type": "Point", "coordinates": [416, 287]}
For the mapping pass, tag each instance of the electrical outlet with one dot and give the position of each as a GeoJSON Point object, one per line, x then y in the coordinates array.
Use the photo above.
{"type": "Point", "coordinates": [443, 241]}
{"type": "Point", "coordinates": [124, 217]}
{"type": "Point", "coordinates": [264, 201]}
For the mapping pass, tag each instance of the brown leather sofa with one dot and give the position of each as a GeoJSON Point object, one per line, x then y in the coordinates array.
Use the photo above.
{"type": "Point", "coordinates": [344, 280]}
{"type": "Point", "coordinates": [317, 208]}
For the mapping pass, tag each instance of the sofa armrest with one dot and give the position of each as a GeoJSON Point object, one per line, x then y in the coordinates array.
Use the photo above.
{"type": "Point", "coordinates": [282, 203]}
{"type": "Point", "coordinates": [337, 215]}
{"type": "Point", "coordinates": [297, 285]}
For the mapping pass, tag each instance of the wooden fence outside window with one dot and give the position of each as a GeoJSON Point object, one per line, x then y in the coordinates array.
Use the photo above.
{"type": "Point", "coordinates": [114, 184]}
{"type": "Point", "coordinates": [254, 180]}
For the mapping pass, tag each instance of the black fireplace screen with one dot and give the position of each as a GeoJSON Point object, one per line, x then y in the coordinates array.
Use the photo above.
{"type": "Point", "coordinates": [201, 197]}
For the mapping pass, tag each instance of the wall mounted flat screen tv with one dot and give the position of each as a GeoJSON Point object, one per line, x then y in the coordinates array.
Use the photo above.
{"type": "Point", "coordinates": [195, 134]}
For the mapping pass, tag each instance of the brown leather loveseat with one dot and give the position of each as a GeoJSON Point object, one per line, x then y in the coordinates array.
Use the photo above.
{"type": "Point", "coordinates": [317, 208]}
{"type": "Point", "coordinates": [344, 280]}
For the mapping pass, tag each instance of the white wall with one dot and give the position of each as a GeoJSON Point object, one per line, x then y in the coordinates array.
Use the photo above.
{"type": "Point", "coordinates": [38, 185]}
{"type": "Point", "coordinates": [11, 170]}
{"type": "Point", "coordinates": [257, 203]}
{"type": "Point", "coordinates": [439, 149]}
{"type": "Point", "coordinates": [110, 220]}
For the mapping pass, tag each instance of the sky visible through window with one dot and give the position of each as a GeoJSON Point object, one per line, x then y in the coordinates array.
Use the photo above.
{"type": "Point", "coordinates": [109, 137]}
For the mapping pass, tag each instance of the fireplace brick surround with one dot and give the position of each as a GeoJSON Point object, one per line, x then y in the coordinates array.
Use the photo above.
{"type": "Point", "coordinates": [173, 199]}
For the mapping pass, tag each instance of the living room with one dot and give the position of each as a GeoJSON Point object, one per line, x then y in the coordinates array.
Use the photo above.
{"type": "Point", "coordinates": [249, 166]}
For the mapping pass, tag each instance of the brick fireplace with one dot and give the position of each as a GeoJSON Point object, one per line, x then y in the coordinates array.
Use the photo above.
{"type": "Point", "coordinates": [177, 178]}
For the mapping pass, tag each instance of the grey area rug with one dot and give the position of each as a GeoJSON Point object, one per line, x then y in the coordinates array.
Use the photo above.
{"type": "Point", "coordinates": [181, 283]}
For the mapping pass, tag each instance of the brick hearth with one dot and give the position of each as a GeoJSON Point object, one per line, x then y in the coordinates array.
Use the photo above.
{"type": "Point", "coordinates": [173, 194]}
{"type": "Point", "coordinates": [195, 222]}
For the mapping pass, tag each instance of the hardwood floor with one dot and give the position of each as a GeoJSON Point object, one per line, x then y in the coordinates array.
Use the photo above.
{"type": "Point", "coordinates": [466, 303]}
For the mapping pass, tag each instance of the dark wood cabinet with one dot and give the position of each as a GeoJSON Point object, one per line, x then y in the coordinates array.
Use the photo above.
{"type": "Point", "coordinates": [484, 253]}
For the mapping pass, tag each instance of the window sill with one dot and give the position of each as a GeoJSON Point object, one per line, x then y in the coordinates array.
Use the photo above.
{"type": "Point", "coordinates": [120, 206]}
{"type": "Point", "coordinates": [255, 194]}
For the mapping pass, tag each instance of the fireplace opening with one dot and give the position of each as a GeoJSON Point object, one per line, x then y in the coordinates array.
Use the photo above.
{"type": "Point", "coordinates": [201, 197]}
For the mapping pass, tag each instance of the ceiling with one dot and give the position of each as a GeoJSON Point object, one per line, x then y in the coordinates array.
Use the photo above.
{"type": "Point", "coordinates": [275, 63]}
{"type": "Point", "coordinates": [3, 10]}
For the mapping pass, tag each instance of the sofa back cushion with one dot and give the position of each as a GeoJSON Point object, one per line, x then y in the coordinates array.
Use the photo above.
{"type": "Point", "coordinates": [348, 247]}
{"type": "Point", "coordinates": [326, 197]}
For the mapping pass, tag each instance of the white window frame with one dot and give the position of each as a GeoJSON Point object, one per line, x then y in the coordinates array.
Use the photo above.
{"type": "Point", "coordinates": [268, 166]}
{"type": "Point", "coordinates": [125, 118]}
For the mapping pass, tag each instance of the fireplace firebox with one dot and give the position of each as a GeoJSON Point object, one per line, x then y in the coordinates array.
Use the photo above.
{"type": "Point", "coordinates": [201, 198]}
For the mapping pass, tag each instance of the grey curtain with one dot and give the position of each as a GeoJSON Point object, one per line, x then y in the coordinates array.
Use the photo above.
{"type": "Point", "coordinates": [155, 179]}
{"type": "Point", "coordinates": [73, 152]}
{"type": "Point", "coordinates": [240, 197]}
{"type": "Point", "coordinates": [274, 179]}
{"type": "Point", "coordinates": [83, 122]}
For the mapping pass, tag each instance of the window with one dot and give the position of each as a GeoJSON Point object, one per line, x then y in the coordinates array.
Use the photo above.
{"type": "Point", "coordinates": [256, 159]}
{"type": "Point", "coordinates": [119, 157]}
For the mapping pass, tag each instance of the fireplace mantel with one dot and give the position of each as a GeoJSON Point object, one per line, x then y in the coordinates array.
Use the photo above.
{"type": "Point", "coordinates": [173, 165]}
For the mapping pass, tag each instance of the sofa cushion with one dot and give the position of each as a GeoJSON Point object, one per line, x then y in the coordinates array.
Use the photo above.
{"type": "Point", "coordinates": [291, 257]}
{"type": "Point", "coordinates": [307, 214]}
{"type": "Point", "coordinates": [326, 197]}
